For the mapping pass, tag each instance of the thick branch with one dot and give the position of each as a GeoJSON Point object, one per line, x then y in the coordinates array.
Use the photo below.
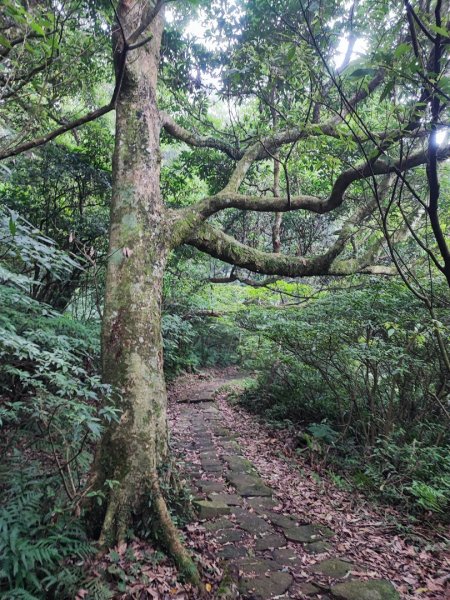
{"type": "Point", "coordinates": [223, 200]}
{"type": "Point", "coordinates": [218, 244]}
{"type": "Point", "coordinates": [328, 127]}
{"type": "Point", "coordinates": [265, 147]}
{"type": "Point", "coordinates": [121, 58]}
{"type": "Point", "coordinates": [147, 18]}
{"type": "Point", "coordinates": [250, 282]}
{"type": "Point", "coordinates": [224, 247]}
{"type": "Point", "coordinates": [5, 50]}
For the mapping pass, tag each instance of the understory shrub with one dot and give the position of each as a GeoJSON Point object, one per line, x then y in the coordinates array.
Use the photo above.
{"type": "Point", "coordinates": [197, 342]}
{"type": "Point", "coordinates": [361, 373]}
{"type": "Point", "coordinates": [52, 410]}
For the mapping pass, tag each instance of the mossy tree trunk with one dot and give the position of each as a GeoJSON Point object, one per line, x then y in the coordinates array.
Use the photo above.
{"type": "Point", "coordinates": [132, 451]}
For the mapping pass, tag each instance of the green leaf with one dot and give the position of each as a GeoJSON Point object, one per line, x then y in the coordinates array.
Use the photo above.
{"type": "Point", "coordinates": [401, 50]}
{"type": "Point", "coordinates": [37, 28]}
{"type": "Point", "coordinates": [362, 72]}
{"type": "Point", "coordinates": [291, 53]}
{"type": "Point", "coordinates": [12, 227]}
{"type": "Point", "coordinates": [440, 30]}
{"type": "Point", "coordinates": [5, 42]}
{"type": "Point", "coordinates": [387, 90]}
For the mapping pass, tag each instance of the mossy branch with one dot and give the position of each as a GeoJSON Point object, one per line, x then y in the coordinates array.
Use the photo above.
{"type": "Point", "coordinates": [218, 244]}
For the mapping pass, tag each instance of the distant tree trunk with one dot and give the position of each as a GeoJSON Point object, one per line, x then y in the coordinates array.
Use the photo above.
{"type": "Point", "coordinates": [276, 227]}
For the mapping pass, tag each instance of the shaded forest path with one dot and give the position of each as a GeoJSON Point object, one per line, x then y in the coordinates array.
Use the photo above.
{"type": "Point", "coordinates": [275, 528]}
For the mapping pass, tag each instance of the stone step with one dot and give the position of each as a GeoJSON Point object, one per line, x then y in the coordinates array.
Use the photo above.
{"type": "Point", "coordinates": [247, 485]}
{"type": "Point", "coordinates": [207, 509]}
{"type": "Point", "coordinates": [374, 589]}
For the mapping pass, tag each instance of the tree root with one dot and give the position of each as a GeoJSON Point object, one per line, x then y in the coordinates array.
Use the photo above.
{"type": "Point", "coordinates": [171, 537]}
{"type": "Point", "coordinates": [114, 526]}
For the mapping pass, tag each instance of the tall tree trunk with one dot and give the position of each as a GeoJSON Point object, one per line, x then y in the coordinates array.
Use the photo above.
{"type": "Point", "coordinates": [133, 450]}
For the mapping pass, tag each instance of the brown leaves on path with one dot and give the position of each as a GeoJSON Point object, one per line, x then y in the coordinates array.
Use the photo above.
{"type": "Point", "coordinates": [366, 534]}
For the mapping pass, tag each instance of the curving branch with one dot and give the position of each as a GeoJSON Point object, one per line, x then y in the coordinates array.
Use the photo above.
{"type": "Point", "coordinates": [87, 118]}
{"type": "Point", "coordinates": [6, 49]}
{"type": "Point", "coordinates": [193, 139]}
{"type": "Point", "coordinates": [250, 282]}
{"type": "Point", "coordinates": [218, 244]}
{"type": "Point", "coordinates": [40, 141]}
{"type": "Point", "coordinates": [264, 147]}
{"type": "Point", "coordinates": [223, 200]}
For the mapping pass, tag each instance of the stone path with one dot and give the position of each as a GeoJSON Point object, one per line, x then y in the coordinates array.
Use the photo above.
{"type": "Point", "coordinates": [258, 545]}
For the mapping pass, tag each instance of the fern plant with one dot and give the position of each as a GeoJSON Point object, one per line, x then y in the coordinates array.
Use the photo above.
{"type": "Point", "coordinates": [34, 542]}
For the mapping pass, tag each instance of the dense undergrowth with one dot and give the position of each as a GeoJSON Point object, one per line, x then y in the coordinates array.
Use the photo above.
{"type": "Point", "coordinates": [191, 345]}
{"type": "Point", "coordinates": [356, 376]}
{"type": "Point", "coordinates": [52, 409]}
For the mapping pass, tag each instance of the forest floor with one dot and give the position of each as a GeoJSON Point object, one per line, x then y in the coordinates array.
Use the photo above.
{"type": "Point", "coordinates": [270, 526]}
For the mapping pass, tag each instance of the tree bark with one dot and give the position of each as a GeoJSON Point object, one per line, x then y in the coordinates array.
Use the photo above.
{"type": "Point", "coordinates": [133, 450]}
{"type": "Point", "coordinates": [276, 229]}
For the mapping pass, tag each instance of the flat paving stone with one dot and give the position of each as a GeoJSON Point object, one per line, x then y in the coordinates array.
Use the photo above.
{"type": "Point", "coordinates": [257, 566]}
{"type": "Point", "coordinates": [196, 399]}
{"type": "Point", "coordinates": [307, 533]}
{"type": "Point", "coordinates": [333, 567]}
{"type": "Point", "coordinates": [279, 520]}
{"type": "Point", "coordinates": [248, 486]}
{"type": "Point", "coordinates": [261, 503]}
{"type": "Point", "coordinates": [269, 542]}
{"type": "Point", "coordinates": [203, 437]}
{"type": "Point", "coordinates": [250, 522]}
{"type": "Point", "coordinates": [375, 589]}
{"type": "Point", "coordinates": [229, 445]}
{"type": "Point", "coordinates": [208, 509]}
{"type": "Point", "coordinates": [231, 552]}
{"type": "Point", "coordinates": [195, 473]}
{"type": "Point", "coordinates": [317, 547]}
{"type": "Point", "coordinates": [222, 432]}
{"type": "Point", "coordinates": [262, 588]}
{"type": "Point", "coordinates": [219, 524]}
{"type": "Point", "coordinates": [239, 464]}
{"type": "Point", "coordinates": [212, 467]}
{"type": "Point", "coordinates": [211, 486]}
{"type": "Point", "coordinates": [230, 499]}
{"type": "Point", "coordinates": [307, 589]}
{"type": "Point", "coordinates": [285, 556]}
{"type": "Point", "coordinates": [231, 535]}
{"type": "Point", "coordinates": [208, 455]}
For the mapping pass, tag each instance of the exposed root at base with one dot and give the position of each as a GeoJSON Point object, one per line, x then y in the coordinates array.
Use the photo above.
{"type": "Point", "coordinates": [171, 537]}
